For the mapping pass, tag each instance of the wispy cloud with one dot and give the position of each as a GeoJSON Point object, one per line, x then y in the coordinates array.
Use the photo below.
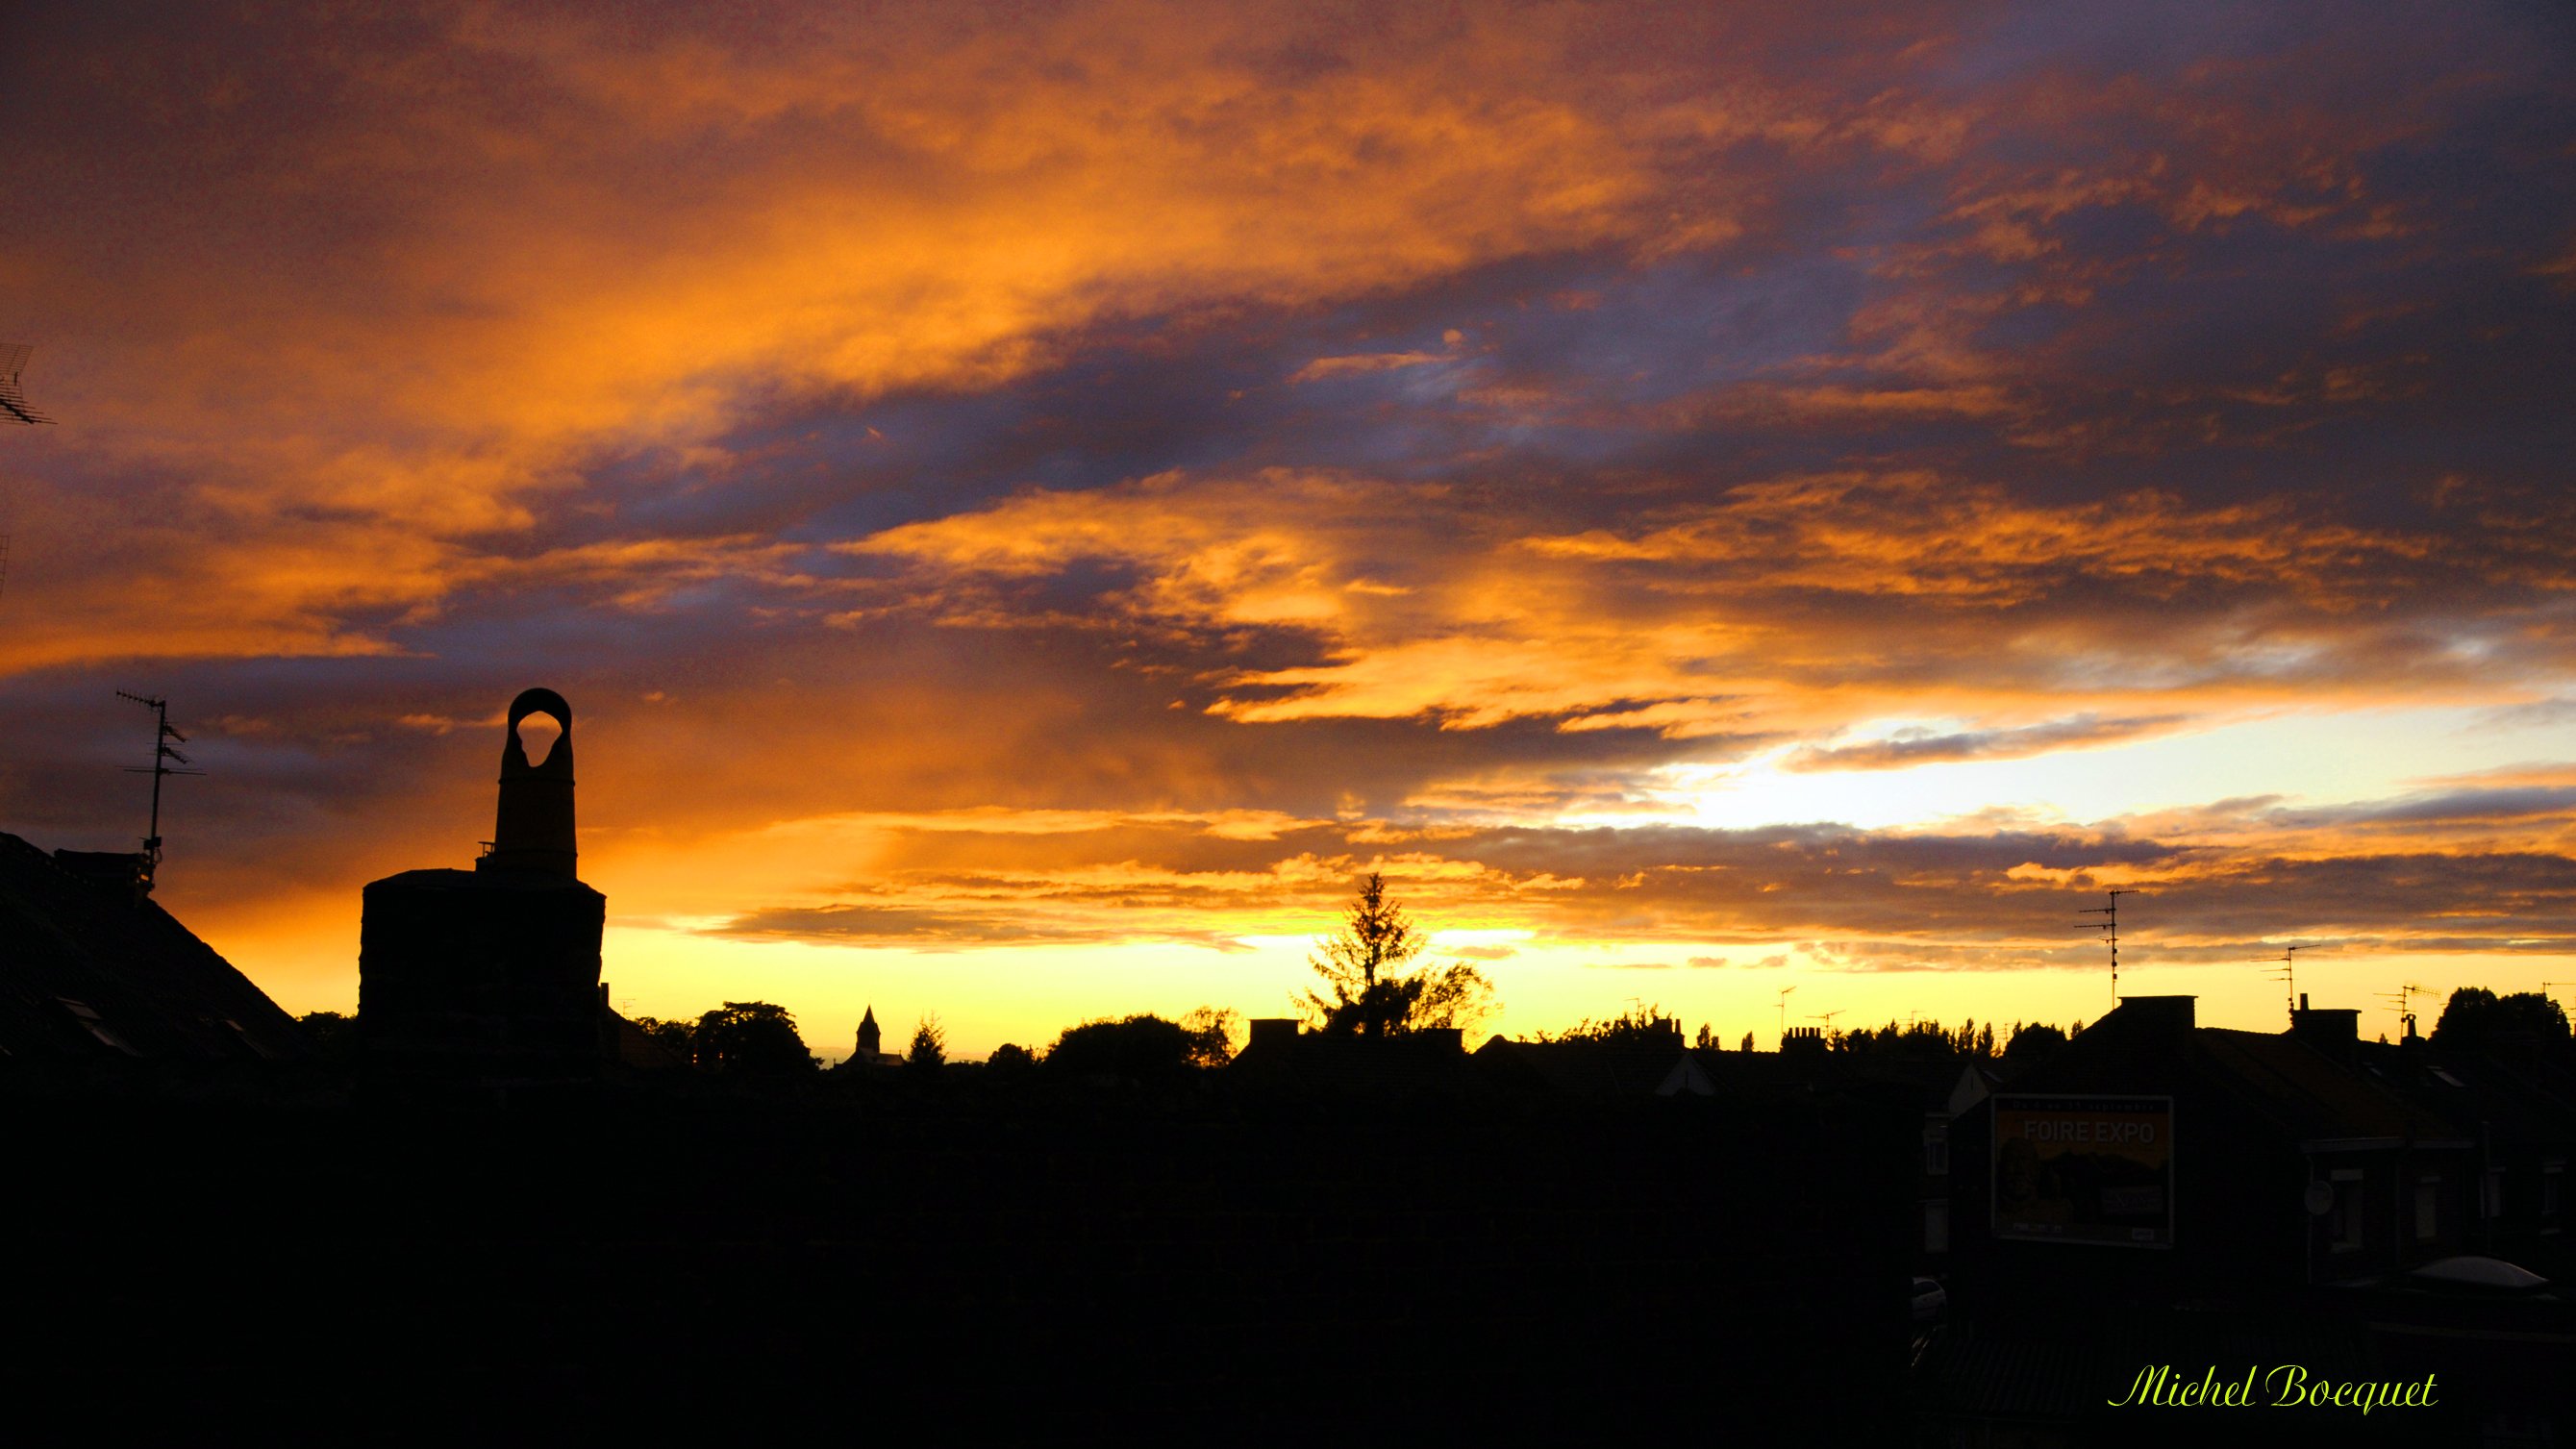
{"type": "Point", "coordinates": [1920, 747]}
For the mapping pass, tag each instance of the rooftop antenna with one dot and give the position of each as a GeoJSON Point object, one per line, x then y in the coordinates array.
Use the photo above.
{"type": "Point", "coordinates": [2109, 925]}
{"type": "Point", "coordinates": [2400, 996]}
{"type": "Point", "coordinates": [1784, 1011]}
{"type": "Point", "coordinates": [13, 402]}
{"type": "Point", "coordinates": [13, 409]}
{"type": "Point", "coordinates": [2289, 971]}
{"type": "Point", "coordinates": [1828, 1017]}
{"type": "Point", "coordinates": [166, 738]}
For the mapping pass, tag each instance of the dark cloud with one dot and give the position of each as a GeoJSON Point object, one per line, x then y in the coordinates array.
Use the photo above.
{"type": "Point", "coordinates": [933, 930]}
{"type": "Point", "coordinates": [1923, 747]}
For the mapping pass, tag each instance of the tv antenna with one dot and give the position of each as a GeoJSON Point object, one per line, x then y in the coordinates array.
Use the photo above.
{"type": "Point", "coordinates": [13, 402]}
{"type": "Point", "coordinates": [2109, 926]}
{"type": "Point", "coordinates": [165, 742]}
{"type": "Point", "coordinates": [13, 409]}
{"type": "Point", "coordinates": [2289, 963]}
{"type": "Point", "coordinates": [1784, 1011]}
{"type": "Point", "coordinates": [1828, 1017]}
{"type": "Point", "coordinates": [2400, 996]}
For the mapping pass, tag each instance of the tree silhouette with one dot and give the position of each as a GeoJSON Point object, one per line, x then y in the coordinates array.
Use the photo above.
{"type": "Point", "coordinates": [2474, 1017]}
{"type": "Point", "coordinates": [752, 1041]}
{"type": "Point", "coordinates": [333, 1035]}
{"type": "Point", "coordinates": [2030, 1042]}
{"type": "Point", "coordinates": [1372, 994]}
{"type": "Point", "coordinates": [1211, 1032]}
{"type": "Point", "coordinates": [1639, 1026]}
{"type": "Point", "coordinates": [679, 1038]}
{"type": "Point", "coordinates": [929, 1045]}
{"type": "Point", "coordinates": [1921, 1041]}
{"type": "Point", "coordinates": [1143, 1048]}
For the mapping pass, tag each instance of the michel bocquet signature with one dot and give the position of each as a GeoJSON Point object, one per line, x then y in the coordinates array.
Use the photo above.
{"type": "Point", "coordinates": [2285, 1386]}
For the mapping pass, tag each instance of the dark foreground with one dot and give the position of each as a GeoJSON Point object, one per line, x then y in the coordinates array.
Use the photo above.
{"type": "Point", "coordinates": [1090, 1263]}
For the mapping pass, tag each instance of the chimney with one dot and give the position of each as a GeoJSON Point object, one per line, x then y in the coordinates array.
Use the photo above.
{"type": "Point", "coordinates": [2156, 1015]}
{"type": "Point", "coordinates": [1803, 1039]}
{"type": "Point", "coordinates": [125, 872]}
{"type": "Point", "coordinates": [1271, 1031]}
{"type": "Point", "coordinates": [2331, 1030]}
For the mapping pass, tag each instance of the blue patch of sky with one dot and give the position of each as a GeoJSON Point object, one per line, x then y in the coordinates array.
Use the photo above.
{"type": "Point", "coordinates": [1670, 331]}
{"type": "Point", "coordinates": [848, 470]}
{"type": "Point", "coordinates": [1597, 351]}
{"type": "Point", "coordinates": [2153, 39]}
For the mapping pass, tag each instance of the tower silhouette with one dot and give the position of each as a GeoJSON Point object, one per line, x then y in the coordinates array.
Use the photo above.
{"type": "Point", "coordinates": [487, 981]}
{"type": "Point", "coordinates": [532, 826]}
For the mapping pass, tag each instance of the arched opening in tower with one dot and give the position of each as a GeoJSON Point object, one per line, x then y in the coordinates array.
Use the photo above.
{"type": "Point", "coordinates": [538, 733]}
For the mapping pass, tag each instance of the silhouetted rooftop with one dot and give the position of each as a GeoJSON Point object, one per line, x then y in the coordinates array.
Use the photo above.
{"type": "Point", "coordinates": [95, 970]}
{"type": "Point", "coordinates": [2312, 1097]}
{"type": "Point", "coordinates": [1584, 1068]}
{"type": "Point", "coordinates": [1419, 1062]}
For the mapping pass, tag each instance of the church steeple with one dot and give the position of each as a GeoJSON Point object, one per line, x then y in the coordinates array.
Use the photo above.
{"type": "Point", "coordinates": [869, 1036]}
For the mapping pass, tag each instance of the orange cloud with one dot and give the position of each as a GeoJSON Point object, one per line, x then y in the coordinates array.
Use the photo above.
{"type": "Point", "coordinates": [1715, 616]}
{"type": "Point", "coordinates": [643, 238]}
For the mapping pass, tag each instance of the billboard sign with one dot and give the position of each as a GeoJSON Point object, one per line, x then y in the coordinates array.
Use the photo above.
{"type": "Point", "coordinates": [2084, 1169]}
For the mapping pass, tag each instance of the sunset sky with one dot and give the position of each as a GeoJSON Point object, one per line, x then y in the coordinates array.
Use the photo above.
{"type": "Point", "coordinates": [1028, 502]}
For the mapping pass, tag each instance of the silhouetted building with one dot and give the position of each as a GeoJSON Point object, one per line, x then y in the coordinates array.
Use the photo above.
{"type": "Point", "coordinates": [1654, 1062]}
{"type": "Point", "coordinates": [2516, 1101]}
{"type": "Point", "coordinates": [90, 968]}
{"type": "Point", "coordinates": [867, 1053]}
{"type": "Point", "coordinates": [1278, 1057]}
{"type": "Point", "coordinates": [1650, 1062]}
{"type": "Point", "coordinates": [1940, 1090]}
{"type": "Point", "coordinates": [489, 978]}
{"type": "Point", "coordinates": [2159, 1192]}
{"type": "Point", "coordinates": [2232, 1157]}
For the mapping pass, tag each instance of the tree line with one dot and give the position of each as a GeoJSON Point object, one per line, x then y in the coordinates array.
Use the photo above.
{"type": "Point", "coordinates": [1920, 1039]}
{"type": "Point", "coordinates": [757, 1041]}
